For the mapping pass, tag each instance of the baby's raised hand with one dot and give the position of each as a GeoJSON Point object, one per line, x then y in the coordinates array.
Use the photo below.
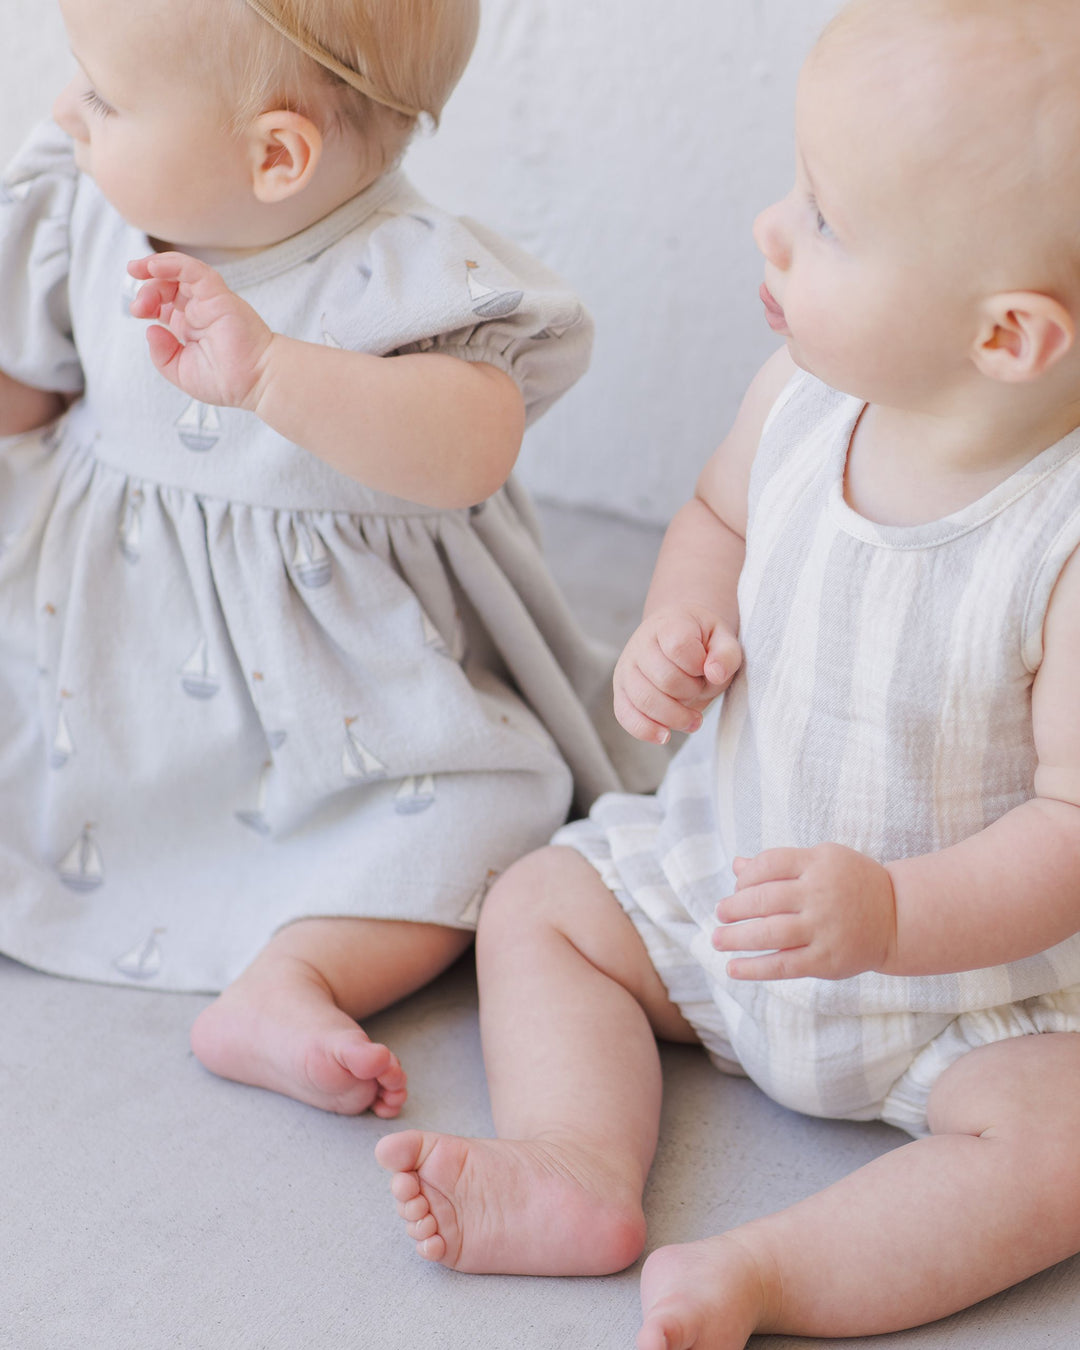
{"type": "Point", "coordinates": [827, 911]}
{"type": "Point", "coordinates": [672, 668]}
{"type": "Point", "coordinates": [206, 341]}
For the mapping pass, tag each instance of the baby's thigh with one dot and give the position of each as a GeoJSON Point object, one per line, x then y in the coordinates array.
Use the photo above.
{"type": "Point", "coordinates": [1030, 1084]}
{"type": "Point", "coordinates": [996, 1070]}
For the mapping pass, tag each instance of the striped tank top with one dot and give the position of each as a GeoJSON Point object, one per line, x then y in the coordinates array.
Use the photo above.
{"type": "Point", "coordinates": [885, 698]}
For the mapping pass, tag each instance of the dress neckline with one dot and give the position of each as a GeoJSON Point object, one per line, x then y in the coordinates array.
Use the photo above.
{"type": "Point", "coordinates": [310, 243]}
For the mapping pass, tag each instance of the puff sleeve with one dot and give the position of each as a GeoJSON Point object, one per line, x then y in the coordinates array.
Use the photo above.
{"type": "Point", "coordinates": [37, 195]}
{"type": "Point", "coordinates": [469, 293]}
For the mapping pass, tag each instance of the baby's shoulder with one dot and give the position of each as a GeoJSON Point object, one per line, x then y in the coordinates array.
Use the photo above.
{"type": "Point", "coordinates": [412, 236]}
{"type": "Point", "coordinates": [418, 278]}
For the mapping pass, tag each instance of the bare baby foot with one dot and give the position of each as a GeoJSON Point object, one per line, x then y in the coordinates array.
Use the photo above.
{"type": "Point", "coordinates": [700, 1296]}
{"type": "Point", "coordinates": [512, 1207]}
{"type": "Point", "coordinates": [278, 1027]}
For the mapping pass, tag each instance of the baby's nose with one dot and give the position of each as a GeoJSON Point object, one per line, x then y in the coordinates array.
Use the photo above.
{"type": "Point", "coordinates": [67, 112]}
{"type": "Point", "coordinates": [771, 237]}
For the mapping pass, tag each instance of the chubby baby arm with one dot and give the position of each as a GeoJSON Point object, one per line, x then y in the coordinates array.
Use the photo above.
{"type": "Point", "coordinates": [1006, 893]}
{"type": "Point", "coordinates": [23, 408]}
{"type": "Point", "coordinates": [428, 427]}
{"type": "Point", "coordinates": [1013, 889]}
{"type": "Point", "coordinates": [686, 651]}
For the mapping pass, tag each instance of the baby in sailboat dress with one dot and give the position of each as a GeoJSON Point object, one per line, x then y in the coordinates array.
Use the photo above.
{"type": "Point", "coordinates": [285, 679]}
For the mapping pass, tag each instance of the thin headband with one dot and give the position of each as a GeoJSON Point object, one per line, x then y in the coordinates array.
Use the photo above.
{"type": "Point", "coordinates": [318, 52]}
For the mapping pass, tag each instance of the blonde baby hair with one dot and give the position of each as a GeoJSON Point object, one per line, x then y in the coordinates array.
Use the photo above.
{"type": "Point", "coordinates": [377, 66]}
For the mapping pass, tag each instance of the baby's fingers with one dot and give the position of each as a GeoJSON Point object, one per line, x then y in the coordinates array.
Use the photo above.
{"type": "Point", "coordinates": [179, 268]}
{"type": "Point", "coordinates": [165, 350]}
{"type": "Point", "coordinates": [662, 674]}
{"type": "Point", "coordinates": [654, 701]}
{"type": "Point", "coordinates": [678, 638]}
{"type": "Point", "coordinates": [655, 725]}
{"type": "Point", "coordinates": [789, 964]}
{"type": "Point", "coordinates": [155, 300]}
{"type": "Point", "coordinates": [759, 902]}
{"type": "Point", "coordinates": [723, 657]}
{"type": "Point", "coordinates": [776, 933]}
{"type": "Point", "coordinates": [775, 864]}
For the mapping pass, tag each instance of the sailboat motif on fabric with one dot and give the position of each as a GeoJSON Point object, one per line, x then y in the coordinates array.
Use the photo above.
{"type": "Point", "coordinates": [129, 533]}
{"type": "Point", "coordinates": [199, 426]}
{"type": "Point", "coordinates": [358, 764]}
{"type": "Point", "coordinates": [557, 327]}
{"type": "Point", "coordinates": [144, 960]}
{"type": "Point", "coordinates": [311, 562]}
{"type": "Point", "coordinates": [81, 868]}
{"type": "Point", "coordinates": [254, 817]}
{"type": "Point", "coordinates": [275, 739]}
{"type": "Point", "coordinates": [488, 302]}
{"type": "Point", "coordinates": [196, 677]}
{"type": "Point", "coordinates": [63, 747]}
{"type": "Point", "coordinates": [414, 795]}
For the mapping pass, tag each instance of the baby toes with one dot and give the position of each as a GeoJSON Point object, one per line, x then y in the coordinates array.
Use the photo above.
{"type": "Point", "coordinates": [415, 1210]}
{"type": "Point", "coordinates": [423, 1229]}
{"type": "Point", "coordinates": [405, 1186]}
{"type": "Point", "coordinates": [433, 1248]}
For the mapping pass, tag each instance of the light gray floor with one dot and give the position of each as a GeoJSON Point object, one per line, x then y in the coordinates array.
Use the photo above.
{"type": "Point", "coordinates": [149, 1206]}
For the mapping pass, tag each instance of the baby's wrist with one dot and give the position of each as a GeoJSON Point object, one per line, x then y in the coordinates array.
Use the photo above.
{"type": "Point", "coordinates": [267, 368]}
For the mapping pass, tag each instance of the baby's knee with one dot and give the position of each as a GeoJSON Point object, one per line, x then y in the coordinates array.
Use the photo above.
{"type": "Point", "coordinates": [552, 890]}
{"type": "Point", "coordinates": [533, 889]}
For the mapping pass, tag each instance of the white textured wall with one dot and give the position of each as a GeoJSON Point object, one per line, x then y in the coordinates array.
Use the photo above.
{"type": "Point", "coordinates": [629, 144]}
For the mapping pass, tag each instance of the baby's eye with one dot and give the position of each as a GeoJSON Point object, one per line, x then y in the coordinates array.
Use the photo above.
{"type": "Point", "coordinates": [821, 225]}
{"type": "Point", "coordinates": [97, 104]}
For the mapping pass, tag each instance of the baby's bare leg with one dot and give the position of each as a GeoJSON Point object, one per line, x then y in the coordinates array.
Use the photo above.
{"type": "Point", "coordinates": [992, 1197]}
{"type": "Point", "coordinates": [567, 994]}
{"type": "Point", "coordinates": [288, 1023]}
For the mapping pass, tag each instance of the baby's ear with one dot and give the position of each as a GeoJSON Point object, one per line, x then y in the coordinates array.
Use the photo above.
{"type": "Point", "coordinates": [284, 149]}
{"type": "Point", "coordinates": [1023, 334]}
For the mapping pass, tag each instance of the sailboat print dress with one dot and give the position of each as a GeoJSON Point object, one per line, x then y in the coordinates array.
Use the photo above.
{"type": "Point", "coordinates": [236, 687]}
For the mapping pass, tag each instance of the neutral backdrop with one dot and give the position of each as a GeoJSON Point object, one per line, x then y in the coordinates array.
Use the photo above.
{"type": "Point", "coordinates": [629, 144]}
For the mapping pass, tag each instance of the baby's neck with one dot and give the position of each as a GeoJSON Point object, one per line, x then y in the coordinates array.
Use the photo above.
{"type": "Point", "coordinates": [340, 177]}
{"type": "Point", "coordinates": [908, 468]}
{"type": "Point", "coordinates": [209, 254]}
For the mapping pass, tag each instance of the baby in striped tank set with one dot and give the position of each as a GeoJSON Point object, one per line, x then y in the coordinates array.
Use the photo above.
{"type": "Point", "coordinates": [284, 678]}
{"type": "Point", "coordinates": [859, 883]}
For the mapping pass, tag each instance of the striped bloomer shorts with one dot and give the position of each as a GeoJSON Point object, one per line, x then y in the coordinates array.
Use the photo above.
{"type": "Point", "coordinates": [868, 1048]}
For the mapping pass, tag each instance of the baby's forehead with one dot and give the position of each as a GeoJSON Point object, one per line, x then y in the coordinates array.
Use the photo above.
{"type": "Point", "coordinates": [960, 79]}
{"type": "Point", "coordinates": [967, 112]}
